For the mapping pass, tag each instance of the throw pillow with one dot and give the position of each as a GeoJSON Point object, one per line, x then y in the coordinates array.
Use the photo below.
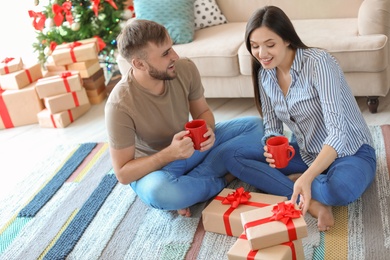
{"type": "Point", "coordinates": [207, 13]}
{"type": "Point", "coordinates": [176, 15]}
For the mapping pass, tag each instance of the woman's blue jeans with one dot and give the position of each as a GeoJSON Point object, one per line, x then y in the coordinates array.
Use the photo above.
{"type": "Point", "coordinates": [184, 183]}
{"type": "Point", "coordinates": [342, 183]}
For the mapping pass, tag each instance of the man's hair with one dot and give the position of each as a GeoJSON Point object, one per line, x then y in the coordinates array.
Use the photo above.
{"type": "Point", "coordinates": [136, 35]}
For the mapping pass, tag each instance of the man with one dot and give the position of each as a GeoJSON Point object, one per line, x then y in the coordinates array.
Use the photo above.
{"type": "Point", "coordinates": [145, 117]}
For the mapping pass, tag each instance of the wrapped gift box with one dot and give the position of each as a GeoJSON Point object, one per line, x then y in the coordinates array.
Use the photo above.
{"type": "Point", "coordinates": [78, 51]}
{"type": "Point", "coordinates": [21, 78]}
{"type": "Point", "coordinates": [273, 225]}
{"type": "Point", "coordinates": [95, 81]}
{"type": "Point", "coordinates": [19, 107]}
{"type": "Point", "coordinates": [9, 65]}
{"type": "Point", "coordinates": [61, 119]}
{"type": "Point", "coordinates": [96, 96]}
{"type": "Point", "coordinates": [85, 68]}
{"type": "Point", "coordinates": [241, 250]}
{"type": "Point", "coordinates": [66, 82]}
{"type": "Point", "coordinates": [222, 215]}
{"type": "Point", "coordinates": [66, 101]}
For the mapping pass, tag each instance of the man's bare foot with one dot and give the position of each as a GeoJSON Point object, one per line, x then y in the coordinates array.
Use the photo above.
{"type": "Point", "coordinates": [294, 177]}
{"type": "Point", "coordinates": [184, 212]}
{"type": "Point", "coordinates": [323, 213]}
{"type": "Point", "coordinates": [229, 177]}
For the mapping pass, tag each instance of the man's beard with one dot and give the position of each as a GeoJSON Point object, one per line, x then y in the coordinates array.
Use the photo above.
{"type": "Point", "coordinates": [161, 75]}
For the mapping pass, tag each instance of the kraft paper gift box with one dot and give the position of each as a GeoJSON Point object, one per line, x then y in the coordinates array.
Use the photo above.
{"type": "Point", "coordinates": [77, 51]}
{"type": "Point", "coordinates": [94, 81]}
{"type": "Point", "coordinates": [241, 250]}
{"type": "Point", "coordinates": [19, 107]}
{"type": "Point", "coordinates": [61, 119]}
{"type": "Point", "coordinates": [273, 225]}
{"type": "Point", "coordinates": [66, 101]}
{"type": "Point", "coordinates": [66, 82]}
{"type": "Point", "coordinates": [97, 96]}
{"type": "Point", "coordinates": [9, 65]}
{"type": "Point", "coordinates": [21, 78]}
{"type": "Point", "coordinates": [85, 68]}
{"type": "Point", "coordinates": [222, 215]}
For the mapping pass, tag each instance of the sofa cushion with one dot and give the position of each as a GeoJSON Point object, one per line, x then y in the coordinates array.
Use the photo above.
{"type": "Point", "coordinates": [340, 37]}
{"type": "Point", "coordinates": [207, 13]}
{"type": "Point", "coordinates": [214, 49]}
{"type": "Point", "coordinates": [176, 15]}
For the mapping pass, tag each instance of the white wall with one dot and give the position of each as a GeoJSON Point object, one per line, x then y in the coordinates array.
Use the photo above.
{"type": "Point", "coordinates": [17, 32]}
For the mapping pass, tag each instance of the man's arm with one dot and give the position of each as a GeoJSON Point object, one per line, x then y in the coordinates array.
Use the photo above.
{"type": "Point", "coordinates": [128, 169]}
{"type": "Point", "coordinates": [199, 109]}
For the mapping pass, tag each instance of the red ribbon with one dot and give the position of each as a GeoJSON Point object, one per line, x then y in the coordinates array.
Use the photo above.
{"type": "Point", "coordinates": [53, 121]}
{"type": "Point", "coordinates": [101, 43]}
{"type": "Point", "coordinates": [39, 20]}
{"type": "Point", "coordinates": [252, 253]}
{"type": "Point", "coordinates": [240, 196]}
{"type": "Point", "coordinates": [4, 115]}
{"type": "Point", "coordinates": [70, 115]}
{"type": "Point", "coordinates": [72, 46]}
{"type": "Point", "coordinates": [29, 75]}
{"type": "Point", "coordinates": [75, 99]}
{"type": "Point", "coordinates": [6, 60]}
{"type": "Point", "coordinates": [96, 3]}
{"type": "Point", "coordinates": [58, 10]}
{"type": "Point", "coordinates": [53, 45]}
{"type": "Point", "coordinates": [64, 76]}
{"type": "Point", "coordinates": [284, 212]}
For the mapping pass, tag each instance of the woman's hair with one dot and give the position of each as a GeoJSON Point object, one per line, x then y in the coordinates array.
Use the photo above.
{"type": "Point", "coordinates": [136, 35]}
{"type": "Point", "coordinates": [277, 21]}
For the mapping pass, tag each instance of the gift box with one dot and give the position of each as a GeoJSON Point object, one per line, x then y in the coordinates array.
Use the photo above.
{"type": "Point", "coordinates": [21, 78]}
{"type": "Point", "coordinates": [9, 65]}
{"type": "Point", "coordinates": [19, 107]}
{"type": "Point", "coordinates": [97, 96]}
{"type": "Point", "coordinates": [273, 225]}
{"type": "Point", "coordinates": [61, 119]}
{"type": "Point", "coordinates": [77, 51]}
{"type": "Point", "coordinates": [66, 82]}
{"type": "Point", "coordinates": [241, 250]}
{"type": "Point", "coordinates": [223, 214]}
{"type": "Point", "coordinates": [66, 101]}
{"type": "Point", "coordinates": [86, 68]}
{"type": "Point", "coordinates": [95, 81]}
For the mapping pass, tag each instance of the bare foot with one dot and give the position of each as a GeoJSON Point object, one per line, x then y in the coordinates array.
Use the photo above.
{"type": "Point", "coordinates": [323, 213]}
{"type": "Point", "coordinates": [184, 212]}
{"type": "Point", "coordinates": [294, 177]}
{"type": "Point", "coordinates": [229, 177]}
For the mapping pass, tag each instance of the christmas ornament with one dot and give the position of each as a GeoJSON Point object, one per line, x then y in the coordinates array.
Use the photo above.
{"type": "Point", "coordinates": [75, 26]}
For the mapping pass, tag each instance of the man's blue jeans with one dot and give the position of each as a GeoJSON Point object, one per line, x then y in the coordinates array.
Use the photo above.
{"type": "Point", "coordinates": [184, 183]}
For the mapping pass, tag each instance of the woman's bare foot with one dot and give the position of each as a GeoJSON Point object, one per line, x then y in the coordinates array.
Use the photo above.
{"type": "Point", "coordinates": [294, 177]}
{"type": "Point", "coordinates": [323, 213]}
{"type": "Point", "coordinates": [229, 177]}
{"type": "Point", "coordinates": [184, 212]}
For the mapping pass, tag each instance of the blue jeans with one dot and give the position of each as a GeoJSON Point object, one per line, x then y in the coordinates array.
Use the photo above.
{"type": "Point", "coordinates": [342, 183]}
{"type": "Point", "coordinates": [183, 183]}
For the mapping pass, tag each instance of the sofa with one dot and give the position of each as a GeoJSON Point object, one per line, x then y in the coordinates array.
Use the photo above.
{"type": "Point", "coordinates": [356, 32]}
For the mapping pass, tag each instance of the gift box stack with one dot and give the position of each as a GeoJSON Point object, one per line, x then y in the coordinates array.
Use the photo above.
{"type": "Point", "coordinates": [64, 98]}
{"type": "Point", "coordinates": [266, 225]}
{"type": "Point", "coordinates": [81, 56]}
{"type": "Point", "coordinates": [19, 102]}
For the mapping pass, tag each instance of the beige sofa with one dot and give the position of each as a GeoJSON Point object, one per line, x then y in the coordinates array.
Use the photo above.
{"type": "Point", "coordinates": [355, 31]}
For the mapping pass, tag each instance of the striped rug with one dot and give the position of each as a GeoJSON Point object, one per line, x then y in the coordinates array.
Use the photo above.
{"type": "Point", "coordinates": [72, 207]}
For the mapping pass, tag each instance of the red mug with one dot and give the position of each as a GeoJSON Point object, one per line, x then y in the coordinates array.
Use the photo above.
{"type": "Point", "coordinates": [282, 152]}
{"type": "Point", "coordinates": [197, 128]}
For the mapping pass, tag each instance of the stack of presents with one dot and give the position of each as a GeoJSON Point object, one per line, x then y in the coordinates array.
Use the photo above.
{"type": "Point", "coordinates": [54, 98]}
{"type": "Point", "coordinates": [266, 226]}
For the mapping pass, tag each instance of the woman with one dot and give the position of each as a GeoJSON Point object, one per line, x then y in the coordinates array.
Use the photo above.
{"type": "Point", "coordinates": [305, 89]}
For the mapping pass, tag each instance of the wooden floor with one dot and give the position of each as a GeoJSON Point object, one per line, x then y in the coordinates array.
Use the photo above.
{"type": "Point", "coordinates": [21, 148]}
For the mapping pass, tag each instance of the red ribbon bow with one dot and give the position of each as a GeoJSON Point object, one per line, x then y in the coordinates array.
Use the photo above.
{"type": "Point", "coordinates": [53, 45]}
{"type": "Point", "coordinates": [39, 20]}
{"type": "Point", "coordinates": [96, 3]}
{"type": "Point", "coordinates": [58, 10]}
{"type": "Point", "coordinates": [285, 212]}
{"type": "Point", "coordinates": [72, 46]}
{"type": "Point", "coordinates": [101, 43]}
{"type": "Point", "coordinates": [237, 197]}
{"type": "Point", "coordinates": [6, 60]}
{"type": "Point", "coordinates": [66, 74]}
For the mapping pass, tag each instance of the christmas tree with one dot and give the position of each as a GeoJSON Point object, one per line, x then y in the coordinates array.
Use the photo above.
{"type": "Point", "coordinates": [65, 21]}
